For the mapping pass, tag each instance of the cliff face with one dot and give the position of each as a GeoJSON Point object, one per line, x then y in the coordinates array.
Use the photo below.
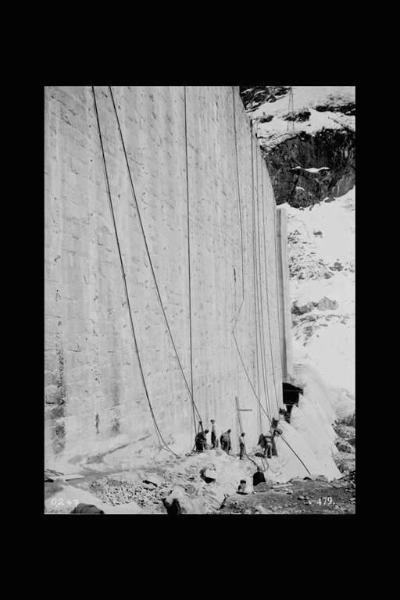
{"type": "Point", "coordinates": [307, 140]}
{"type": "Point", "coordinates": [332, 156]}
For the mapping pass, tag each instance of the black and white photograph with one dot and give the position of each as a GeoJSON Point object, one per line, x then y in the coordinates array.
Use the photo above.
{"type": "Point", "coordinates": [199, 300]}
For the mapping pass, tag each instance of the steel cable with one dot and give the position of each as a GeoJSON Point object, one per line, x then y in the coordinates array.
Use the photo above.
{"type": "Point", "coordinates": [148, 253]}
{"type": "Point", "coordinates": [161, 439]}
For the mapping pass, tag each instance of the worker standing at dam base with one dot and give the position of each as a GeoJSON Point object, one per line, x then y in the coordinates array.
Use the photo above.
{"type": "Point", "coordinates": [201, 439]}
{"type": "Point", "coordinates": [274, 432]}
{"type": "Point", "coordinates": [242, 446]}
{"type": "Point", "coordinates": [214, 439]}
{"type": "Point", "coordinates": [265, 442]}
{"type": "Point", "coordinates": [225, 440]}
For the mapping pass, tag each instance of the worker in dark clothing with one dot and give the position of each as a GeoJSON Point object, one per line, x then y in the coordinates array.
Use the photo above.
{"type": "Point", "coordinates": [199, 438]}
{"type": "Point", "coordinates": [265, 442]}
{"type": "Point", "coordinates": [225, 440]}
{"type": "Point", "coordinates": [201, 441]}
{"type": "Point", "coordinates": [268, 447]}
{"type": "Point", "coordinates": [242, 487]}
{"type": "Point", "coordinates": [258, 477]}
{"type": "Point", "coordinates": [274, 451]}
{"type": "Point", "coordinates": [214, 439]}
{"type": "Point", "coordinates": [274, 423]}
{"type": "Point", "coordinates": [242, 447]}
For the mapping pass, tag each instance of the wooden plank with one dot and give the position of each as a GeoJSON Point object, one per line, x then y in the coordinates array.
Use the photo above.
{"type": "Point", "coordinates": [238, 413]}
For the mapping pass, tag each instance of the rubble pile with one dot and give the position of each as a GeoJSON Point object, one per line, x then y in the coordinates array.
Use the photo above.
{"type": "Point", "coordinates": [115, 491]}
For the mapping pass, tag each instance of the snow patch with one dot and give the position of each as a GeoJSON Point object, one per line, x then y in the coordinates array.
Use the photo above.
{"type": "Point", "coordinates": [323, 265]}
{"type": "Point", "coordinates": [316, 170]}
{"type": "Point", "coordinates": [304, 97]}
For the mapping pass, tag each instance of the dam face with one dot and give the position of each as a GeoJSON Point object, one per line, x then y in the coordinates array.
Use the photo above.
{"type": "Point", "coordinates": [192, 216]}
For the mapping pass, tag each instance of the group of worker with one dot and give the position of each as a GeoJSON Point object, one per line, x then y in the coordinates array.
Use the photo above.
{"type": "Point", "coordinates": [265, 441]}
{"type": "Point", "coordinates": [201, 438]}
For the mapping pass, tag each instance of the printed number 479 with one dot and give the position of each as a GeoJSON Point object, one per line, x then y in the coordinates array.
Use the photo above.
{"type": "Point", "coordinates": [325, 500]}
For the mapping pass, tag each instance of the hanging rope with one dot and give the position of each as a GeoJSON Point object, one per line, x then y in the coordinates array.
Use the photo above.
{"type": "Point", "coordinates": [238, 188]}
{"type": "Point", "coordinates": [261, 406]}
{"type": "Point", "coordinates": [276, 270]}
{"type": "Point", "coordinates": [281, 318]}
{"type": "Point", "coordinates": [268, 305]}
{"type": "Point", "coordinates": [255, 277]}
{"type": "Point", "coordinates": [236, 317]}
{"type": "Point", "coordinates": [240, 354]}
{"type": "Point", "coordinates": [161, 439]}
{"type": "Point", "coordinates": [260, 301]}
{"type": "Point", "coordinates": [148, 254]}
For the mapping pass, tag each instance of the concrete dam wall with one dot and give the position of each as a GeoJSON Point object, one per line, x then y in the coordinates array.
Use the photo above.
{"type": "Point", "coordinates": [284, 302]}
{"type": "Point", "coordinates": [192, 218]}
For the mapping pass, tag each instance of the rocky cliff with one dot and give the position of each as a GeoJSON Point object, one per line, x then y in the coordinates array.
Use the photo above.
{"type": "Point", "coordinates": [307, 136]}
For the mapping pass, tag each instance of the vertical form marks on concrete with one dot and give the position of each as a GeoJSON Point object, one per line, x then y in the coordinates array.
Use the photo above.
{"type": "Point", "coordinates": [273, 380]}
{"type": "Point", "coordinates": [237, 249]}
{"type": "Point", "coordinates": [113, 386]}
{"type": "Point", "coordinates": [274, 307]}
{"type": "Point", "coordinates": [279, 275]}
{"type": "Point", "coordinates": [153, 246]}
{"type": "Point", "coordinates": [266, 381]}
{"type": "Point", "coordinates": [254, 270]}
{"type": "Point", "coordinates": [238, 193]}
{"type": "Point", "coordinates": [185, 111]}
{"type": "Point", "coordinates": [270, 366]}
{"type": "Point", "coordinates": [262, 290]}
{"type": "Point", "coordinates": [245, 319]}
{"type": "Point", "coordinates": [102, 377]}
{"type": "Point", "coordinates": [57, 410]}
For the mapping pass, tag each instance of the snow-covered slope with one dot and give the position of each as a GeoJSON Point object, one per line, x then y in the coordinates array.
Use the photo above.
{"type": "Point", "coordinates": [322, 287]}
{"type": "Point", "coordinates": [314, 108]}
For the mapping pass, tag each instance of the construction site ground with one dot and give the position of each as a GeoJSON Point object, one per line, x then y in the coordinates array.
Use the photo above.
{"type": "Point", "coordinates": [204, 483]}
{"type": "Point", "coordinates": [296, 497]}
